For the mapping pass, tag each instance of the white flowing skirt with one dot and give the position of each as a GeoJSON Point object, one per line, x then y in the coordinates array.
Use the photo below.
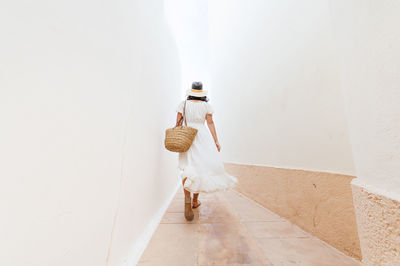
{"type": "Point", "coordinates": [203, 166]}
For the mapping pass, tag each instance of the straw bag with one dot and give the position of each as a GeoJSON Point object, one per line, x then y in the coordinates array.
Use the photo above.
{"type": "Point", "coordinates": [180, 138]}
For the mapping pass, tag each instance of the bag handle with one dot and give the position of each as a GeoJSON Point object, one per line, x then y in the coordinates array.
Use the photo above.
{"type": "Point", "coordinates": [184, 114]}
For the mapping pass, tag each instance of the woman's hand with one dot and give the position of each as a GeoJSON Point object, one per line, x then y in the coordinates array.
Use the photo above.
{"type": "Point", "coordinates": [218, 146]}
{"type": "Point", "coordinates": [179, 119]}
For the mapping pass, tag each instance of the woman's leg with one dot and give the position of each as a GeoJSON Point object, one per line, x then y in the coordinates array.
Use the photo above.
{"type": "Point", "coordinates": [188, 204]}
{"type": "Point", "coordinates": [187, 193]}
{"type": "Point", "coordinates": [196, 202]}
{"type": "Point", "coordinates": [195, 197]}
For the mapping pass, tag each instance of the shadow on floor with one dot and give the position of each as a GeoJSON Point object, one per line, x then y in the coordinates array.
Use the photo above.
{"type": "Point", "coordinates": [230, 229]}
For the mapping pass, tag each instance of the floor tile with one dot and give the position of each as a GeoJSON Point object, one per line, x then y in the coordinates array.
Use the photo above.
{"type": "Point", "coordinates": [275, 229]}
{"type": "Point", "coordinates": [248, 209]}
{"type": "Point", "coordinates": [177, 218]}
{"type": "Point", "coordinates": [172, 244]}
{"type": "Point", "coordinates": [228, 244]}
{"type": "Point", "coordinates": [234, 196]}
{"type": "Point", "coordinates": [177, 205]}
{"type": "Point", "coordinates": [302, 251]}
{"type": "Point", "coordinates": [253, 213]}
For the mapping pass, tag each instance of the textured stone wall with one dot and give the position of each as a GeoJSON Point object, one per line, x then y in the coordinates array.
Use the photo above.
{"type": "Point", "coordinates": [378, 219]}
{"type": "Point", "coordinates": [320, 203]}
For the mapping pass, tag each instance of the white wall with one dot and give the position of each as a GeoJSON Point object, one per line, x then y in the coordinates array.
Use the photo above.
{"type": "Point", "coordinates": [188, 21]}
{"type": "Point", "coordinates": [368, 37]}
{"type": "Point", "coordinates": [275, 85]}
{"type": "Point", "coordinates": [86, 90]}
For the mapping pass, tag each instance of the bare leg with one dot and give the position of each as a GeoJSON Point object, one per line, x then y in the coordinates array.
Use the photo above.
{"type": "Point", "coordinates": [195, 197]}
{"type": "Point", "coordinates": [187, 193]}
{"type": "Point", "coordinates": [188, 203]}
{"type": "Point", "coordinates": [196, 202]}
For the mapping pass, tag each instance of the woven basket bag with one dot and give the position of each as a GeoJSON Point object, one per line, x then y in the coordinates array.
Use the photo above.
{"type": "Point", "coordinates": [180, 138]}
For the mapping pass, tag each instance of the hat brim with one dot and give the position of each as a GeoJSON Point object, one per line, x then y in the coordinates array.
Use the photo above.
{"type": "Point", "coordinates": [196, 94]}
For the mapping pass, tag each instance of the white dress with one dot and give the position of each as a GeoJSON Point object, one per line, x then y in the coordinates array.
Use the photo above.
{"type": "Point", "coordinates": [202, 164]}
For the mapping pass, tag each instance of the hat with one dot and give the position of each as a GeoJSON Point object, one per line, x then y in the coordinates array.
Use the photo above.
{"type": "Point", "coordinates": [197, 90]}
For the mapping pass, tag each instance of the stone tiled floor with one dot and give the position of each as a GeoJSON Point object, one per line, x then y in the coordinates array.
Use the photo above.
{"type": "Point", "coordinates": [230, 229]}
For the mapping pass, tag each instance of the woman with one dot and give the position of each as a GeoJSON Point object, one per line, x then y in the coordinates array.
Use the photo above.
{"type": "Point", "coordinates": [201, 168]}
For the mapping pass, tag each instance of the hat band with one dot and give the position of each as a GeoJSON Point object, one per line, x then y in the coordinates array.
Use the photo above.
{"type": "Point", "coordinates": [193, 90]}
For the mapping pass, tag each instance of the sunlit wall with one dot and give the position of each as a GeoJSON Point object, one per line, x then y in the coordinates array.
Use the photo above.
{"type": "Point", "coordinates": [188, 20]}
{"type": "Point", "coordinates": [87, 89]}
{"type": "Point", "coordinates": [368, 38]}
{"type": "Point", "coordinates": [276, 85]}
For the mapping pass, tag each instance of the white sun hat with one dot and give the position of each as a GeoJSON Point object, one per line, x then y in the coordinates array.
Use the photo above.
{"type": "Point", "coordinates": [197, 90]}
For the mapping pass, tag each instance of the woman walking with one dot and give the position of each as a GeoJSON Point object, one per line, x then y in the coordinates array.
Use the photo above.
{"type": "Point", "coordinates": [201, 167]}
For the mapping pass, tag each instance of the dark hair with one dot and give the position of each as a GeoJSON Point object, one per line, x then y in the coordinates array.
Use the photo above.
{"type": "Point", "coordinates": [204, 98]}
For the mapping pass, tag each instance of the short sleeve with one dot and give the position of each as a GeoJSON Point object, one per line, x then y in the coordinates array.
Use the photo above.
{"type": "Point", "coordinates": [179, 109]}
{"type": "Point", "coordinates": [210, 109]}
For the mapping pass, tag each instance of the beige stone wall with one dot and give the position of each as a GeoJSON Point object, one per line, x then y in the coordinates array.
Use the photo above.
{"type": "Point", "coordinates": [320, 203]}
{"type": "Point", "coordinates": [378, 219]}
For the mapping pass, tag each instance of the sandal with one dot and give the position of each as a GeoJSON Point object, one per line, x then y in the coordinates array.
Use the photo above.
{"type": "Point", "coordinates": [198, 204]}
{"type": "Point", "coordinates": [188, 209]}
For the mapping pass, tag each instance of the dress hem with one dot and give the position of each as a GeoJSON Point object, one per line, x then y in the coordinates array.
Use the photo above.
{"type": "Point", "coordinates": [207, 184]}
{"type": "Point", "coordinates": [209, 191]}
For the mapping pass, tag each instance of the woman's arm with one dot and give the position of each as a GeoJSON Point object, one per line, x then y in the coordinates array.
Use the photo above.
{"type": "Point", "coordinates": [211, 126]}
{"type": "Point", "coordinates": [179, 119]}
